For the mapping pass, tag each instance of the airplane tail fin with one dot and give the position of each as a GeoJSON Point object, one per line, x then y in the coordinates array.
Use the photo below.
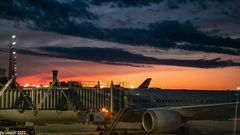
{"type": "Point", "coordinates": [145, 84]}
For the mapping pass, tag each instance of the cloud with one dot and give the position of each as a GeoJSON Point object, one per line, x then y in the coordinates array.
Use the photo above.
{"type": "Point", "coordinates": [126, 3]}
{"type": "Point", "coordinates": [55, 16]}
{"type": "Point", "coordinates": [211, 49]}
{"type": "Point", "coordinates": [164, 35]}
{"type": "Point", "coordinates": [120, 57]}
{"type": "Point", "coordinates": [186, 32]}
{"type": "Point", "coordinates": [172, 4]}
{"type": "Point", "coordinates": [46, 12]}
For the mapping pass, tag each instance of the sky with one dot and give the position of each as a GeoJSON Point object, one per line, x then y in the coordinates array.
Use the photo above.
{"type": "Point", "coordinates": [180, 44]}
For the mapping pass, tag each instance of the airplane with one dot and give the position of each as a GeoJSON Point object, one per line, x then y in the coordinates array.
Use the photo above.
{"type": "Point", "coordinates": [145, 84]}
{"type": "Point", "coordinates": [159, 110]}
{"type": "Point", "coordinates": [167, 110]}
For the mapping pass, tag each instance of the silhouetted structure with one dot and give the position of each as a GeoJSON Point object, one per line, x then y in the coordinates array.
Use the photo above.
{"type": "Point", "coordinates": [3, 78]}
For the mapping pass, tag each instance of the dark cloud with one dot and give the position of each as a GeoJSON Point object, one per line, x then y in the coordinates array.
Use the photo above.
{"type": "Point", "coordinates": [126, 3]}
{"type": "Point", "coordinates": [126, 64]}
{"type": "Point", "coordinates": [203, 4]}
{"type": "Point", "coordinates": [186, 32]}
{"type": "Point", "coordinates": [54, 16]}
{"type": "Point", "coordinates": [162, 35]}
{"type": "Point", "coordinates": [212, 49]}
{"type": "Point", "coordinates": [44, 12]}
{"type": "Point", "coordinates": [121, 57]}
{"type": "Point", "coordinates": [172, 4]}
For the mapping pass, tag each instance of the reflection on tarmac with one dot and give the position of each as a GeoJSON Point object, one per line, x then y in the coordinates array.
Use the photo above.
{"type": "Point", "coordinates": [195, 128]}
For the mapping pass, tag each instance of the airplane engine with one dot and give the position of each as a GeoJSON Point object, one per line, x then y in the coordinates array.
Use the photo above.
{"type": "Point", "coordinates": [163, 121]}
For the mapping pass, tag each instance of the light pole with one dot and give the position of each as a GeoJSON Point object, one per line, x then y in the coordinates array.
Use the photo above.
{"type": "Point", "coordinates": [236, 113]}
{"type": "Point", "coordinates": [12, 60]}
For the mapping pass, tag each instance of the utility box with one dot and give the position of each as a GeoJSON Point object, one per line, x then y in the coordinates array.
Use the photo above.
{"type": "Point", "coordinates": [96, 117]}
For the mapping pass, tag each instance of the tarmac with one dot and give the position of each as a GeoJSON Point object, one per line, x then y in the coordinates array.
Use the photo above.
{"type": "Point", "coordinates": [205, 127]}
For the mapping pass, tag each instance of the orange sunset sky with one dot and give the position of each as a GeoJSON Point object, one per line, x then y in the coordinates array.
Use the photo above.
{"type": "Point", "coordinates": [166, 77]}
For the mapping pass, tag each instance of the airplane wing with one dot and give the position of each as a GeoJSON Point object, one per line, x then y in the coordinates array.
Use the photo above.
{"type": "Point", "coordinates": [169, 119]}
{"type": "Point", "coordinates": [219, 111]}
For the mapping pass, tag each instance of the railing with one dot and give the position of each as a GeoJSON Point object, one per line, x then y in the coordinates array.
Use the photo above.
{"type": "Point", "coordinates": [102, 84]}
{"type": "Point", "coordinates": [6, 86]}
{"type": "Point", "coordinates": [116, 119]}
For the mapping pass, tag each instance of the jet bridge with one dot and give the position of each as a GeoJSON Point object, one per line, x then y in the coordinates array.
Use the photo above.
{"type": "Point", "coordinates": [58, 104]}
{"type": "Point", "coordinates": [60, 99]}
{"type": "Point", "coordinates": [61, 102]}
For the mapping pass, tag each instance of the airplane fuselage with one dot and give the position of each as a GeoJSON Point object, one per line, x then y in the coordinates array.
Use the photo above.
{"type": "Point", "coordinates": [150, 98]}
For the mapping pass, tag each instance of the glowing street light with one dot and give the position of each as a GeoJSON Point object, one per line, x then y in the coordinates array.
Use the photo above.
{"type": "Point", "coordinates": [26, 85]}
{"type": "Point", "coordinates": [12, 58]}
{"type": "Point", "coordinates": [131, 87]}
{"type": "Point", "coordinates": [13, 36]}
{"type": "Point", "coordinates": [103, 109]}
